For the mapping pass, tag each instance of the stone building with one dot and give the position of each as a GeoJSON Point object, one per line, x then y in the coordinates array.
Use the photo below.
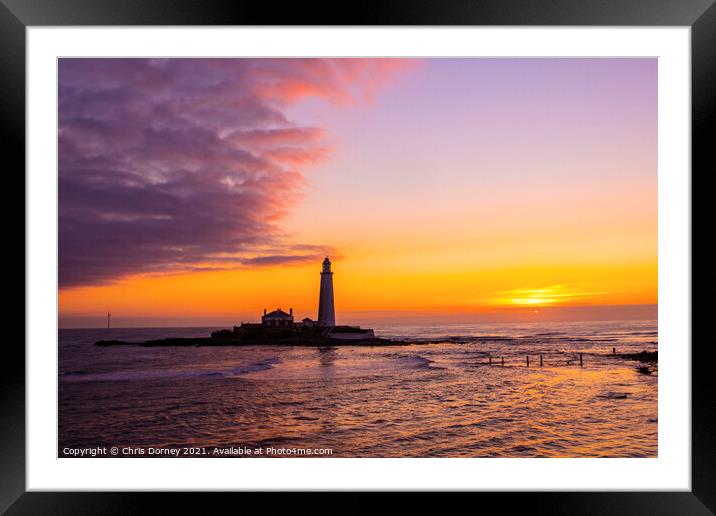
{"type": "Point", "coordinates": [277, 318]}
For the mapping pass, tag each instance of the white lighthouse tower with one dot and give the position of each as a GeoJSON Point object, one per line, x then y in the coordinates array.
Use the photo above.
{"type": "Point", "coordinates": [326, 310]}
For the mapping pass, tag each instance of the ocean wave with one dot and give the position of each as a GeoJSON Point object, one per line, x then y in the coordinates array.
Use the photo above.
{"type": "Point", "coordinates": [536, 338]}
{"type": "Point", "coordinates": [262, 365]}
{"type": "Point", "coordinates": [157, 374]}
{"type": "Point", "coordinates": [416, 362]}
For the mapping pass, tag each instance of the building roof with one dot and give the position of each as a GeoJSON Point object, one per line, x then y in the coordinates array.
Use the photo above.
{"type": "Point", "coordinates": [277, 314]}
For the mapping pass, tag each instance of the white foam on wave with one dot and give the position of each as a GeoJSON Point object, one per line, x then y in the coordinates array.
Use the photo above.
{"type": "Point", "coordinates": [262, 365]}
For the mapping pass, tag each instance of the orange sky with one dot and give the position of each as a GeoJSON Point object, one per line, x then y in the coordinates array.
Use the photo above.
{"type": "Point", "coordinates": [370, 284]}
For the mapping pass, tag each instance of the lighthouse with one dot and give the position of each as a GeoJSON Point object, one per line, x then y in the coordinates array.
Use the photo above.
{"type": "Point", "coordinates": [326, 311]}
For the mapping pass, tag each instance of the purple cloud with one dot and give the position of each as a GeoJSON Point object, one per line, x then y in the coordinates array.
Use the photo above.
{"type": "Point", "coordinates": [188, 164]}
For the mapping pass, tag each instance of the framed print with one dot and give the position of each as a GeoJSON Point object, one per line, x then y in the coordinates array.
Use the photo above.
{"type": "Point", "coordinates": [446, 248]}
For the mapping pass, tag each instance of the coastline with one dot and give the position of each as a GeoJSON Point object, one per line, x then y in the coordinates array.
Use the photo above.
{"type": "Point", "coordinates": [293, 341]}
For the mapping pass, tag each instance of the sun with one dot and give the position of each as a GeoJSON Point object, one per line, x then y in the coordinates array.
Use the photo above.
{"type": "Point", "coordinates": [532, 301]}
{"type": "Point", "coordinates": [537, 297]}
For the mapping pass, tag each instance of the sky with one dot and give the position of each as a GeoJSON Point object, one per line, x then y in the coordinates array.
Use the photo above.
{"type": "Point", "coordinates": [199, 191]}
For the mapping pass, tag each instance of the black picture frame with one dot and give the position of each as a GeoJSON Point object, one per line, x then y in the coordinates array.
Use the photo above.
{"type": "Point", "coordinates": [700, 15]}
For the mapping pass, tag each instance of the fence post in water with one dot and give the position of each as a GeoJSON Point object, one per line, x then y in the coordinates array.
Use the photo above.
{"type": "Point", "coordinates": [503, 361]}
{"type": "Point", "coordinates": [540, 360]}
{"type": "Point", "coordinates": [614, 351]}
{"type": "Point", "coordinates": [490, 357]}
{"type": "Point", "coordinates": [528, 360]}
{"type": "Point", "coordinates": [581, 364]}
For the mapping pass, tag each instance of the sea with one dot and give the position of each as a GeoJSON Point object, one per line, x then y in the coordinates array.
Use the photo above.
{"type": "Point", "coordinates": [457, 390]}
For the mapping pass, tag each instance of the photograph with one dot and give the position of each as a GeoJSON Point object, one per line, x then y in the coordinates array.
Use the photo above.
{"type": "Point", "coordinates": [357, 257]}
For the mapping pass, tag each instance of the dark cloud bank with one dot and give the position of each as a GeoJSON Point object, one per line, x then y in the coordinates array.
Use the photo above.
{"type": "Point", "coordinates": [179, 164]}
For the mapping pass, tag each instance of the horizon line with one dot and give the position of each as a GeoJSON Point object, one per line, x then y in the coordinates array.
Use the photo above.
{"type": "Point", "coordinates": [544, 314]}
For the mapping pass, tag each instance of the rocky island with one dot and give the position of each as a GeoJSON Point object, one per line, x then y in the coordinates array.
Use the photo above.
{"type": "Point", "coordinates": [254, 334]}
